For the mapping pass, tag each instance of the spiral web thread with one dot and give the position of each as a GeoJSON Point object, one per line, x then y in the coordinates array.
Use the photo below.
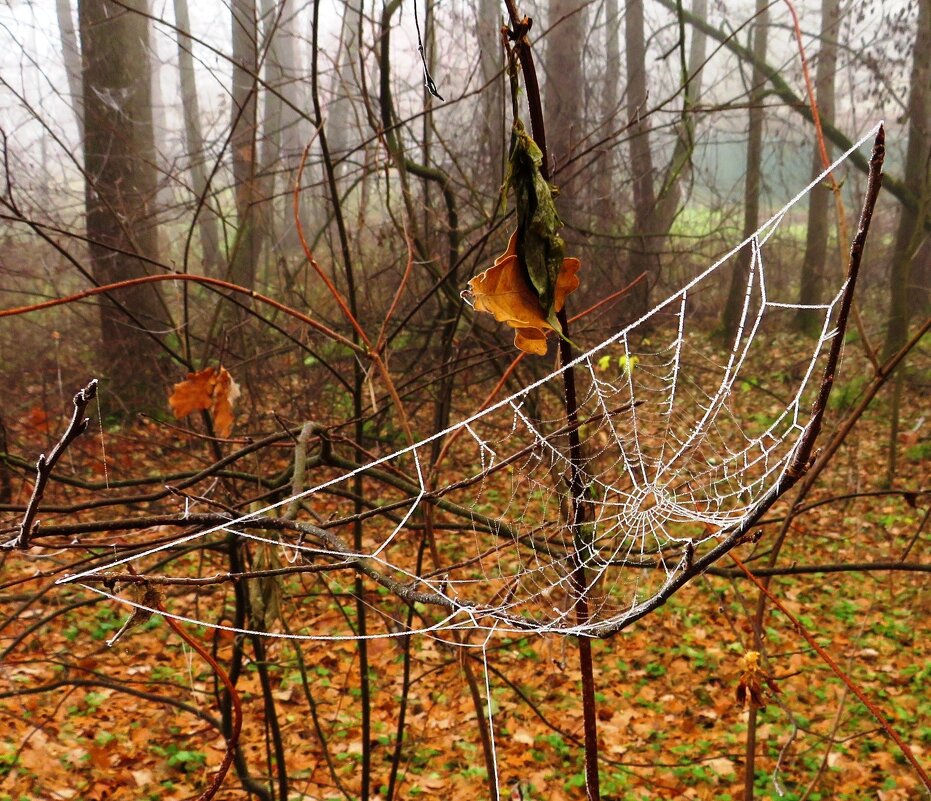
{"type": "Point", "coordinates": [671, 464]}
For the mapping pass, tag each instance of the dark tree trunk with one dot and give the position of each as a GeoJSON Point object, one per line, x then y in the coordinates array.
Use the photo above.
{"type": "Point", "coordinates": [644, 256]}
{"type": "Point", "coordinates": [909, 234]}
{"type": "Point", "coordinates": [248, 242]}
{"type": "Point", "coordinates": [120, 193]}
{"type": "Point", "coordinates": [732, 309]}
{"type": "Point", "coordinates": [819, 200]}
{"type": "Point", "coordinates": [564, 47]}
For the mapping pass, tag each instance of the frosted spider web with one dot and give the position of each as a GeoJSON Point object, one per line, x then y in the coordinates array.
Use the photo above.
{"type": "Point", "coordinates": [672, 463]}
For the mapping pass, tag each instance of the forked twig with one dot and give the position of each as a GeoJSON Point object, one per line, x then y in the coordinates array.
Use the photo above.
{"type": "Point", "coordinates": [46, 464]}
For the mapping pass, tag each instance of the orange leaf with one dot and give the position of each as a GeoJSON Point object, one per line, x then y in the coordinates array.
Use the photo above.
{"type": "Point", "coordinates": [225, 394]}
{"type": "Point", "coordinates": [209, 389]}
{"type": "Point", "coordinates": [503, 291]}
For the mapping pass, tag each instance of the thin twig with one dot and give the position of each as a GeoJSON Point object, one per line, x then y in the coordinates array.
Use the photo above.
{"type": "Point", "coordinates": [233, 739]}
{"type": "Point", "coordinates": [46, 464]}
{"type": "Point", "coordinates": [848, 682]}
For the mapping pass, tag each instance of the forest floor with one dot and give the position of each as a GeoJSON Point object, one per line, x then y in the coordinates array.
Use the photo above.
{"type": "Point", "coordinates": [82, 720]}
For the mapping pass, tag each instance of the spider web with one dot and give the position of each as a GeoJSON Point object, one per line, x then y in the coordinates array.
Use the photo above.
{"type": "Point", "coordinates": [672, 462]}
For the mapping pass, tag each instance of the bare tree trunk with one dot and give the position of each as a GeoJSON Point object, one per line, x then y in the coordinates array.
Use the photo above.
{"type": "Point", "coordinates": [72, 55]}
{"type": "Point", "coordinates": [603, 207]}
{"type": "Point", "coordinates": [190, 107]}
{"type": "Point", "coordinates": [273, 40]}
{"type": "Point", "coordinates": [909, 234]}
{"type": "Point", "coordinates": [244, 261]}
{"type": "Point", "coordinates": [680, 165]}
{"type": "Point", "coordinates": [345, 86]}
{"type": "Point", "coordinates": [735, 296]}
{"type": "Point", "coordinates": [644, 256]}
{"type": "Point", "coordinates": [564, 88]}
{"type": "Point", "coordinates": [492, 135]}
{"type": "Point", "coordinates": [816, 241]}
{"type": "Point", "coordinates": [294, 130]}
{"type": "Point", "coordinates": [120, 192]}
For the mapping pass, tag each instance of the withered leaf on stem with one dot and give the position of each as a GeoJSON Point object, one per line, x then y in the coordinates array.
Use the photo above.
{"type": "Point", "coordinates": [212, 390]}
{"type": "Point", "coordinates": [503, 291]}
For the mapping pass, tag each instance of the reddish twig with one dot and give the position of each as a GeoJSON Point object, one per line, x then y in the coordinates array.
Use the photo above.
{"type": "Point", "coordinates": [198, 279]}
{"type": "Point", "coordinates": [233, 739]}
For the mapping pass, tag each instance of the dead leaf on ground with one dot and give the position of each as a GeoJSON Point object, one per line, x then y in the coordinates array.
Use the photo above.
{"type": "Point", "coordinates": [212, 390]}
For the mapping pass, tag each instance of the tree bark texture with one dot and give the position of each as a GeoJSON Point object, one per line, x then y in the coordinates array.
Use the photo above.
{"type": "Point", "coordinates": [284, 132]}
{"type": "Point", "coordinates": [735, 297]}
{"type": "Point", "coordinates": [564, 47]}
{"type": "Point", "coordinates": [604, 208]}
{"type": "Point", "coordinates": [345, 84]}
{"type": "Point", "coordinates": [71, 52]}
{"type": "Point", "coordinates": [190, 108]}
{"type": "Point", "coordinates": [120, 193]}
{"type": "Point", "coordinates": [492, 135]}
{"type": "Point", "coordinates": [819, 200]}
{"type": "Point", "coordinates": [644, 256]}
{"type": "Point", "coordinates": [247, 245]}
{"type": "Point", "coordinates": [910, 230]}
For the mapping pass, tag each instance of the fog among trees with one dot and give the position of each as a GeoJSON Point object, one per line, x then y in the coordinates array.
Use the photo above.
{"type": "Point", "coordinates": [424, 331]}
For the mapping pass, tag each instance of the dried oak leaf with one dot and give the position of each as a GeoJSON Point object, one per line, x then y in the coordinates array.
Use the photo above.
{"type": "Point", "coordinates": [503, 291]}
{"type": "Point", "coordinates": [210, 389]}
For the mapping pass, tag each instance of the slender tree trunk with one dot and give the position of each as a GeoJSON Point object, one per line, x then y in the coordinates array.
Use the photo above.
{"type": "Point", "coordinates": [294, 129]}
{"type": "Point", "coordinates": [680, 165]}
{"type": "Point", "coordinates": [909, 234]}
{"type": "Point", "coordinates": [644, 256]}
{"type": "Point", "coordinates": [190, 107]}
{"type": "Point", "coordinates": [819, 200]}
{"type": "Point", "coordinates": [341, 122]}
{"type": "Point", "coordinates": [564, 49]}
{"type": "Point", "coordinates": [120, 192]}
{"type": "Point", "coordinates": [736, 293]}
{"type": "Point", "coordinates": [603, 202]}
{"type": "Point", "coordinates": [247, 246]}
{"type": "Point", "coordinates": [345, 87]}
{"type": "Point", "coordinates": [735, 296]}
{"type": "Point", "coordinates": [905, 293]}
{"type": "Point", "coordinates": [72, 55]}
{"type": "Point", "coordinates": [272, 115]}
{"type": "Point", "coordinates": [492, 134]}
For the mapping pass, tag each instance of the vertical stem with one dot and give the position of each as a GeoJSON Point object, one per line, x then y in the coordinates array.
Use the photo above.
{"type": "Point", "coordinates": [271, 716]}
{"type": "Point", "coordinates": [520, 26]}
{"type": "Point", "coordinates": [579, 575]}
{"type": "Point", "coordinates": [357, 382]}
{"type": "Point", "coordinates": [895, 416]}
{"type": "Point", "coordinates": [405, 686]}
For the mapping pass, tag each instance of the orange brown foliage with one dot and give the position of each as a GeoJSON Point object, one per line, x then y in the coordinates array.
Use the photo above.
{"type": "Point", "coordinates": [503, 291]}
{"type": "Point", "coordinates": [210, 390]}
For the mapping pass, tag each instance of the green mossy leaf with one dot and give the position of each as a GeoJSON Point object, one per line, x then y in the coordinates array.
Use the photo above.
{"type": "Point", "coordinates": [540, 248]}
